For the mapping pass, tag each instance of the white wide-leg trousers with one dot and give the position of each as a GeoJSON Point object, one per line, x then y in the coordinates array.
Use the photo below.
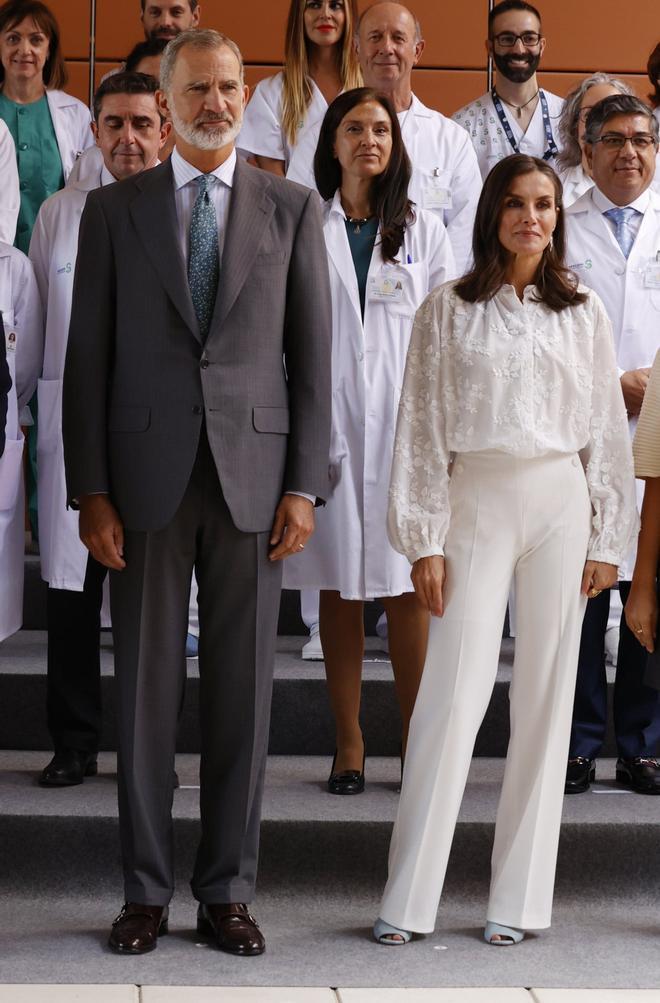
{"type": "Point", "coordinates": [522, 520]}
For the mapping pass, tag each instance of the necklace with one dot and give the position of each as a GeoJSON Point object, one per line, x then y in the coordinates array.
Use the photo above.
{"type": "Point", "coordinates": [357, 224]}
{"type": "Point", "coordinates": [518, 107]}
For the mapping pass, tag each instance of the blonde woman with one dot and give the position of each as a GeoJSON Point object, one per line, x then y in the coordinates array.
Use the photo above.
{"type": "Point", "coordinates": [319, 62]}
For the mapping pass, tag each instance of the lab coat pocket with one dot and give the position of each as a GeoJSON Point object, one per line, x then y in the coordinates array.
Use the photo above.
{"type": "Point", "coordinates": [49, 431]}
{"type": "Point", "coordinates": [10, 473]}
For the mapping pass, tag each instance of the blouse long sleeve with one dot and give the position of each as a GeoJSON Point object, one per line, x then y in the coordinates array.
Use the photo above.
{"type": "Point", "coordinates": [646, 447]}
{"type": "Point", "coordinates": [607, 456]}
{"type": "Point", "coordinates": [418, 512]}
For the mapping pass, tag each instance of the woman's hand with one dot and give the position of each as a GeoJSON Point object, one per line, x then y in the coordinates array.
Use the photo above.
{"type": "Point", "coordinates": [428, 577]}
{"type": "Point", "coordinates": [641, 612]}
{"type": "Point", "coordinates": [596, 577]}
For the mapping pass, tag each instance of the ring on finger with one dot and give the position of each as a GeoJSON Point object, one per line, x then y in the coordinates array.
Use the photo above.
{"type": "Point", "coordinates": [593, 592]}
{"type": "Point", "coordinates": [639, 630]}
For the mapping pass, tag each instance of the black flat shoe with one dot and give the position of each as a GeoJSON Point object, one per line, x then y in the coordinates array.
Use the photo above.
{"type": "Point", "coordinates": [348, 781]}
{"type": "Point", "coordinates": [641, 774]}
{"type": "Point", "coordinates": [580, 774]}
{"type": "Point", "coordinates": [68, 767]}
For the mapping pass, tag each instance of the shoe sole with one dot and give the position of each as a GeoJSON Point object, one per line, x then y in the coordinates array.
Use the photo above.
{"type": "Point", "coordinates": [205, 929]}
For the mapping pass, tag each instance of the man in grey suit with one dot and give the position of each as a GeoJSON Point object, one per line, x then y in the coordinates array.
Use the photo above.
{"type": "Point", "coordinates": [196, 421]}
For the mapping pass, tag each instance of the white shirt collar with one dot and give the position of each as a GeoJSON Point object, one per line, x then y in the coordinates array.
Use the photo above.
{"type": "Point", "coordinates": [602, 202]}
{"type": "Point", "coordinates": [184, 172]}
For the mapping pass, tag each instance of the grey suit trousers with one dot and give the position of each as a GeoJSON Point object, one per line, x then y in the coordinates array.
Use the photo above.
{"type": "Point", "coordinates": [238, 598]}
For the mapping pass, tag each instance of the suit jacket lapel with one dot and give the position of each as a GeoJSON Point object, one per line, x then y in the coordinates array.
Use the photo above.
{"type": "Point", "coordinates": [154, 215]}
{"type": "Point", "coordinates": [250, 212]}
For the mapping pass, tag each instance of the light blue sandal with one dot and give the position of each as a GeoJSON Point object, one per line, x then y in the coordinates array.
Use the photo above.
{"type": "Point", "coordinates": [385, 934]}
{"type": "Point", "coordinates": [511, 936]}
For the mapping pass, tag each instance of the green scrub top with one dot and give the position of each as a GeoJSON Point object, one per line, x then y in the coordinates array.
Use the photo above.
{"type": "Point", "coordinates": [361, 242]}
{"type": "Point", "coordinates": [39, 163]}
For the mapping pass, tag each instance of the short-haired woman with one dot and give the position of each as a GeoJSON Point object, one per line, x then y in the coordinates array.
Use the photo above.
{"type": "Point", "coordinates": [319, 62]}
{"type": "Point", "coordinates": [512, 462]}
{"type": "Point", "coordinates": [571, 163]}
{"type": "Point", "coordinates": [384, 258]}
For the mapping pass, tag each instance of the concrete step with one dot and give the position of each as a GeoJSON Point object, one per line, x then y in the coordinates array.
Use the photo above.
{"type": "Point", "coordinates": [301, 723]}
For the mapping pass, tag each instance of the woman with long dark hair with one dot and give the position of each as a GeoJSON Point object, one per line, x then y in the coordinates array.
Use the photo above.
{"type": "Point", "coordinates": [384, 258]}
{"type": "Point", "coordinates": [512, 462]}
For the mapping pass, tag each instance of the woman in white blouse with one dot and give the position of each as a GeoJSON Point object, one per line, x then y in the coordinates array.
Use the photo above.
{"type": "Point", "coordinates": [512, 462]}
{"type": "Point", "coordinates": [320, 61]}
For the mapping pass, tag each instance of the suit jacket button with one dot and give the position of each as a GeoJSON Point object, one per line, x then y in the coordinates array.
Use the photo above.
{"type": "Point", "coordinates": [204, 363]}
{"type": "Point", "coordinates": [197, 409]}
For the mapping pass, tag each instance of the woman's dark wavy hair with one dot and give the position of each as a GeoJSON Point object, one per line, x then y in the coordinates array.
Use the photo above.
{"type": "Point", "coordinates": [653, 70]}
{"type": "Point", "coordinates": [555, 284]}
{"type": "Point", "coordinates": [389, 189]}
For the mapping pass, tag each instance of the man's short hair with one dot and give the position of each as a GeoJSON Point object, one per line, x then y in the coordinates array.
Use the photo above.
{"type": "Point", "coordinates": [196, 38]}
{"type": "Point", "coordinates": [144, 50]}
{"type": "Point", "coordinates": [416, 21]}
{"type": "Point", "coordinates": [192, 4]}
{"type": "Point", "coordinates": [124, 83]}
{"type": "Point", "coordinates": [617, 104]}
{"type": "Point", "coordinates": [507, 5]}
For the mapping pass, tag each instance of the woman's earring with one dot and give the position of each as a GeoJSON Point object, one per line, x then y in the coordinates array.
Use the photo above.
{"type": "Point", "coordinates": [551, 244]}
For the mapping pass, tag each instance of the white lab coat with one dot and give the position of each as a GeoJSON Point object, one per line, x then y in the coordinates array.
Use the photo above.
{"type": "Point", "coordinates": [71, 122]}
{"type": "Point", "coordinates": [53, 250]}
{"type": "Point", "coordinates": [262, 134]}
{"type": "Point", "coordinates": [22, 318]}
{"type": "Point", "coordinates": [349, 550]}
{"type": "Point", "coordinates": [10, 196]}
{"type": "Point", "coordinates": [633, 308]}
{"type": "Point", "coordinates": [481, 122]}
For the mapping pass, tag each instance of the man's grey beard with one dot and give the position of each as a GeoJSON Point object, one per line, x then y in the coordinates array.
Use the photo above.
{"type": "Point", "coordinates": [205, 139]}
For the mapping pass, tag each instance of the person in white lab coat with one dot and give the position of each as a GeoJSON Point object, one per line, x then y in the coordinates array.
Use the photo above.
{"type": "Point", "coordinates": [22, 320]}
{"type": "Point", "coordinates": [571, 163]}
{"type": "Point", "coordinates": [613, 234]}
{"type": "Point", "coordinates": [384, 259]}
{"type": "Point", "coordinates": [511, 401]}
{"type": "Point", "coordinates": [285, 109]}
{"type": "Point", "coordinates": [517, 116]}
{"type": "Point", "coordinates": [129, 133]}
{"type": "Point", "coordinates": [445, 172]}
{"type": "Point", "coordinates": [10, 196]}
{"type": "Point", "coordinates": [50, 128]}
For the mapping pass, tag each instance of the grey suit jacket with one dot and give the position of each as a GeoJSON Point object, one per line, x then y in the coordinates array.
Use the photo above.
{"type": "Point", "coordinates": [138, 381]}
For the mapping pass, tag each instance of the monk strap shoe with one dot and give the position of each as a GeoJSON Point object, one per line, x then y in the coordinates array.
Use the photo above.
{"type": "Point", "coordinates": [137, 928]}
{"type": "Point", "coordinates": [640, 774]}
{"type": "Point", "coordinates": [580, 774]}
{"type": "Point", "coordinates": [232, 927]}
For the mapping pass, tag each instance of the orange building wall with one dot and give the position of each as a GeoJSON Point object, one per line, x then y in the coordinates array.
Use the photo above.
{"type": "Point", "coordinates": [453, 69]}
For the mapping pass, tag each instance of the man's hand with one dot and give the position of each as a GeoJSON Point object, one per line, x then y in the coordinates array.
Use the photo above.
{"type": "Point", "coordinates": [633, 384]}
{"type": "Point", "coordinates": [293, 526]}
{"type": "Point", "coordinates": [101, 531]}
{"type": "Point", "coordinates": [428, 577]}
{"type": "Point", "coordinates": [596, 577]}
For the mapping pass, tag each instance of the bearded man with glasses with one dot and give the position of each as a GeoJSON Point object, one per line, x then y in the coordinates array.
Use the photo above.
{"type": "Point", "coordinates": [613, 244]}
{"type": "Point", "coordinates": [516, 116]}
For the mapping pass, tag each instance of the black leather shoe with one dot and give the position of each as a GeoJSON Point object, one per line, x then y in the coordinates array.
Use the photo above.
{"type": "Point", "coordinates": [68, 768]}
{"type": "Point", "coordinates": [580, 773]}
{"type": "Point", "coordinates": [348, 781]}
{"type": "Point", "coordinates": [138, 927]}
{"type": "Point", "coordinates": [640, 774]}
{"type": "Point", "coordinates": [232, 927]}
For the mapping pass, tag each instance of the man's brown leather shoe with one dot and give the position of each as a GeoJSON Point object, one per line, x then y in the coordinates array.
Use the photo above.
{"type": "Point", "coordinates": [137, 928]}
{"type": "Point", "coordinates": [232, 927]}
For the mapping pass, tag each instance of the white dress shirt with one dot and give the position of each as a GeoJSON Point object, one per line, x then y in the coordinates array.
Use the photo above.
{"type": "Point", "coordinates": [186, 191]}
{"type": "Point", "coordinates": [519, 378]}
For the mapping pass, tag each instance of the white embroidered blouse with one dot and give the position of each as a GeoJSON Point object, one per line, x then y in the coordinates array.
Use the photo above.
{"type": "Point", "coordinates": [517, 377]}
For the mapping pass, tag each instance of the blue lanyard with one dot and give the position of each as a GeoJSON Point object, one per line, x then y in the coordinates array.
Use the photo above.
{"type": "Point", "coordinates": [552, 150]}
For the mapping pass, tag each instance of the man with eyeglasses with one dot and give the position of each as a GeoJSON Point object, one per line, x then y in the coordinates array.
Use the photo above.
{"type": "Point", "coordinates": [516, 116]}
{"type": "Point", "coordinates": [613, 245]}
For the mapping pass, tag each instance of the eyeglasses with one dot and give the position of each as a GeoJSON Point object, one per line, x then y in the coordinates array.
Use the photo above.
{"type": "Point", "coordinates": [615, 141]}
{"type": "Point", "coordinates": [507, 39]}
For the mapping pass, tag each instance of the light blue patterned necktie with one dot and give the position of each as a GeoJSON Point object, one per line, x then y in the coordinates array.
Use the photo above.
{"type": "Point", "coordinates": [203, 260]}
{"type": "Point", "coordinates": [621, 217]}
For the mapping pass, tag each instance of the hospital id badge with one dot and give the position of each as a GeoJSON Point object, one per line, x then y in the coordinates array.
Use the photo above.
{"type": "Point", "coordinates": [652, 274]}
{"type": "Point", "coordinates": [10, 340]}
{"type": "Point", "coordinates": [385, 289]}
{"type": "Point", "coordinates": [436, 196]}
